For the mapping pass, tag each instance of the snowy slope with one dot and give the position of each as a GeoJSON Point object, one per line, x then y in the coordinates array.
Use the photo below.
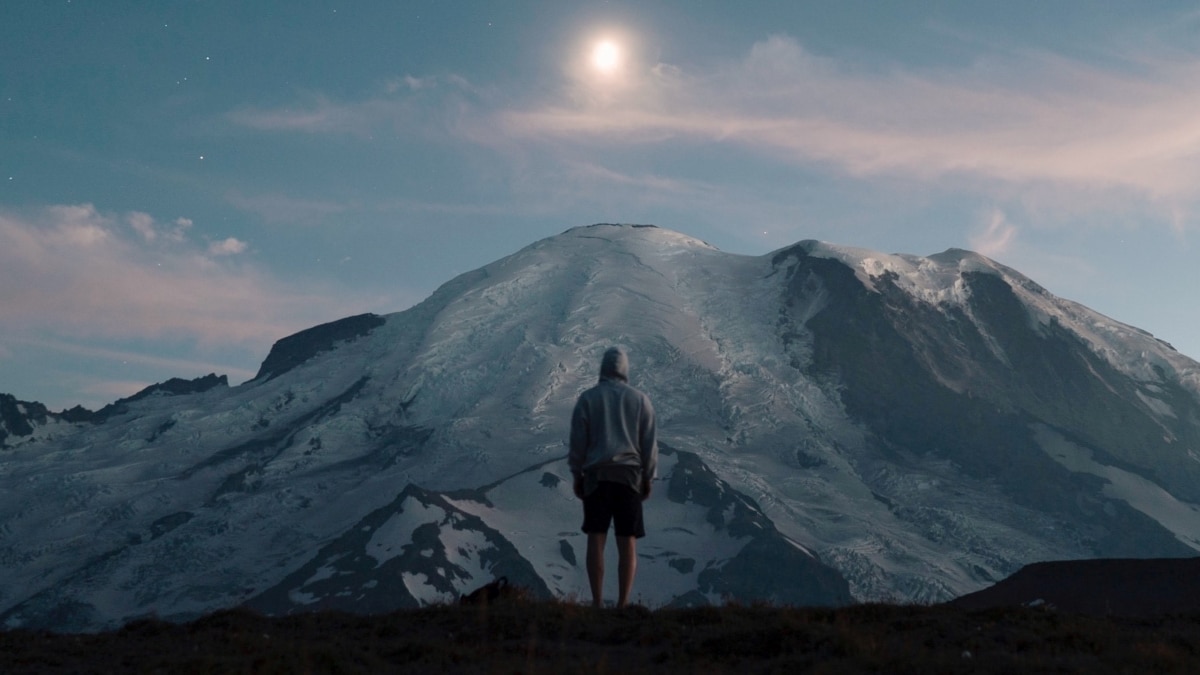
{"type": "Point", "coordinates": [925, 426]}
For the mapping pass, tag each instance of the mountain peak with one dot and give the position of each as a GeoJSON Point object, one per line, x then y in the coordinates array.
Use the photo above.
{"type": "Point", "coordinates": [636, 231]}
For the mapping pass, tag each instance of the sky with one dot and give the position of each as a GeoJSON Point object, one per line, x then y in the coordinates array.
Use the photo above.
{"type": "Point", "coordinates": [184, 182]}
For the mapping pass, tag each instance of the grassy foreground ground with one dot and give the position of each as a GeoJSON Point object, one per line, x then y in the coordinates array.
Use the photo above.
{"type": "Point", "coordinates": [556, 637]}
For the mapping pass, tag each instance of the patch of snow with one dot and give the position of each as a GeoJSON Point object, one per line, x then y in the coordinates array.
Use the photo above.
{"type": "Point", "coordinates": [465, 549]}
{"type": "Point", "coordinates": [1157, 405]}
{"type": "Point", "coordinates": [389, 538]}
{"type": "Point", "coordinates": [1180, 517]}
{"type": "Point", "coordinates": [419, 587]}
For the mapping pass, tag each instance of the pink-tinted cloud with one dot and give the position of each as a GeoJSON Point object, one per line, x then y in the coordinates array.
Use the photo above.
{"type": "Point", "coordinates": [150, 230]}
{"type": "Point", "coordinates": [72, 270]}
{"type": "Point", "coordinates": [169, 364]}
{"type": "Point", "coordinates": [1022, 117]}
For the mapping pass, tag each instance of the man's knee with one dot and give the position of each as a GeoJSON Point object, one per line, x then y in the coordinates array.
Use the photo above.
{"type": "Point", "coordinates": [596, 541]}
{"type": "Point", "coordinates": [627, 545]}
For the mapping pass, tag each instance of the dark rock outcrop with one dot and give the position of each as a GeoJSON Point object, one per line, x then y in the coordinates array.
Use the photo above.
{"type": "Point", "coordinates": [18, 417]}
{"type": "Point", "coordinates": [295, 349]}
{"type": "Point", "coordinates": [771, 567]}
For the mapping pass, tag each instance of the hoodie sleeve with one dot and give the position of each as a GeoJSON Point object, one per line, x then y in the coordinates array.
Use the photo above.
{"type": "Point", "coordinates": [579, 438]}
{"type": "Point", "coordinates": [648, 440]}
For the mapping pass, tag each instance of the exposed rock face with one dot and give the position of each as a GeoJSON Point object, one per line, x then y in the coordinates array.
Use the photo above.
{"type": "Point", "coordinates": [295, 349]}
{"type": "Point", "coordinates": [18, 417]}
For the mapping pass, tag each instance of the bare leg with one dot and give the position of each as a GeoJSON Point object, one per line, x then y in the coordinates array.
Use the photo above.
{"type": "Point", "coordinates": [626, 568]}
{"type": "Point", "coordinates": [595, 566]}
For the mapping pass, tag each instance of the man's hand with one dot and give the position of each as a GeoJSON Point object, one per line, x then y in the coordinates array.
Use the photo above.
{"type": "Point", "coordinates": [645, 489]}
{"type": "Point", "coordinates": [579, 486]}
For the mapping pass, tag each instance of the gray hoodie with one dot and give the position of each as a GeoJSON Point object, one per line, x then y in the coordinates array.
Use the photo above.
{"type": "Point", "coordinates": [613, 436]}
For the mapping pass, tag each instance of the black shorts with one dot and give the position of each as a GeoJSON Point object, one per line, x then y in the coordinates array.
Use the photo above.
{"type": "Point", "coordinates": [614, 503]}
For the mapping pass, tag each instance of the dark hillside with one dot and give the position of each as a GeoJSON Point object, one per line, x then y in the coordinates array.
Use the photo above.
{"type": "Point", "coordinates": [1100, 587]}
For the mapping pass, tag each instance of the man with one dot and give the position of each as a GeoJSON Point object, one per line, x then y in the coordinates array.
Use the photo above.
{"type": "Point", "coordinates": [613, 457]}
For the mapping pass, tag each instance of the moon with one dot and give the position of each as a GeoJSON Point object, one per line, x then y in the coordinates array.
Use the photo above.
{"type": "Point", "coordinates": [606, 56]}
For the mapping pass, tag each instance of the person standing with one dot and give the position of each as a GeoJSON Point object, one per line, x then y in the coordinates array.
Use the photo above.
{"type": "Point", "coordinates": [613, 457]}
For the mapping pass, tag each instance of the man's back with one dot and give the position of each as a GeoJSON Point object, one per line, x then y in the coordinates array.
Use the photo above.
{"type": "Point", "coordinates": [613, 457]}
{"type": "Point", "coordinates": [613, 428]}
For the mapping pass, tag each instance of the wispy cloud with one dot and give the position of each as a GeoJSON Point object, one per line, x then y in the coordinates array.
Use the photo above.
{"type": "Point", "coordinates": [1018, 117]}
{"type": "Point", "coordinates": [996, 237]}
{"type": "Point", "coordinates": [405, 106]}
{"type": "Point", "coordinates": [276, 208]}
{"type": "Point", "coordinates": [169, 364]}
{"type": "Point", "coordinates": [1028, 128]}
{"type": "Point", "coordinates": [73, 270]}
{"type": "Point", "coordinates": [319, 115]}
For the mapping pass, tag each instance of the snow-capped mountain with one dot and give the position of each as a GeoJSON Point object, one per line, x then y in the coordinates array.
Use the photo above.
{"type": "Point", "coordinates": [836, 423]}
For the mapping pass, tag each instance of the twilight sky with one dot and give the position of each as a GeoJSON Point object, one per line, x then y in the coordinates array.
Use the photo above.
{"type": "Point", "coordinates": [184, 182]}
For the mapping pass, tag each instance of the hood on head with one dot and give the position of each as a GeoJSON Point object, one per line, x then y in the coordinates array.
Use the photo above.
{"type": "Point", "coordinates": [615, 365]}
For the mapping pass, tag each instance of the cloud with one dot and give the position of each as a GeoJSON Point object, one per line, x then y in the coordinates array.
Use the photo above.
{"type": "Point", "coordinates": [276, 208]}
{"type": "Point", "coordinates": [319, 116]}
{"type": "Point", "coordinates": [997, 236]}
{"type": "Point", "coordinates": [229, 246]}
{"type": "Point", "coordinates": [74, 271]}
{"type": "Point", "coordinates": [1015, 118]}
{"type": "Point", "coordinates": [166, 363]}
{"type": "Point", "coordinates": [408, 82]}
{"type": "Point", "coordinates": [407, 106]}
{"type": "Point", "coordinates": [145, 225]}
{"type": "Point", "coordinates": [1025, 127]}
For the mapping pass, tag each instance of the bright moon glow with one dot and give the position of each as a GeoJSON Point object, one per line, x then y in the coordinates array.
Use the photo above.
{"type": "Point", "coordinates": [606, 56]}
